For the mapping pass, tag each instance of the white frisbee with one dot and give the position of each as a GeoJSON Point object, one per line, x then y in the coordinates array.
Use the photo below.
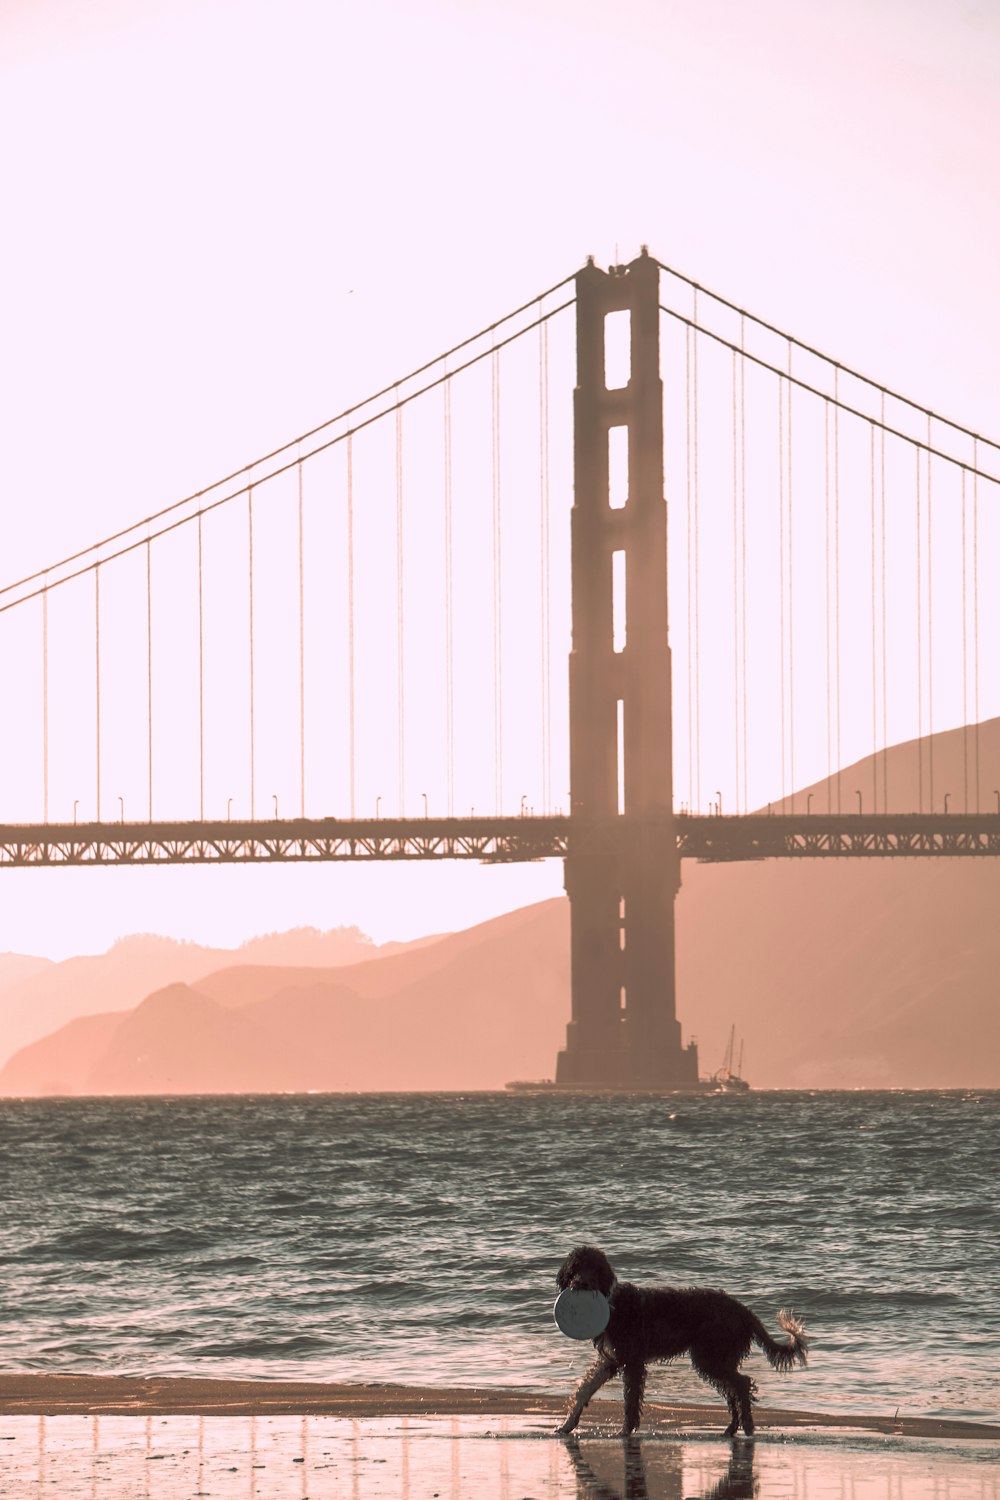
{"type": "Point", "coordinates": [581, 1315]}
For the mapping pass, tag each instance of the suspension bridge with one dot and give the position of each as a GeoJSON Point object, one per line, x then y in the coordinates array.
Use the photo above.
{"type": "Point", "coordinates": [267, 669]}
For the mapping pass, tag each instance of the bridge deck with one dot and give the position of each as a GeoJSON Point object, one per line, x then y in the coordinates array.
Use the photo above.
{"type": "Point", "coordinates": [496, 840]}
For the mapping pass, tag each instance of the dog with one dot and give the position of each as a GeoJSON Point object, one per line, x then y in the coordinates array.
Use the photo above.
{"type": "Point", "coordinates": [649, 1324]}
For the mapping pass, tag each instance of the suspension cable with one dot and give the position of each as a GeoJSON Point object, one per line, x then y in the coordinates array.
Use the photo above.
{"type": "Point", "coordinates": [829, 634]}
{"type": "Point", "coordinates": [808, 349]}
{"type": "Point", "coordinates": [205, 510]}
{"type": "Point", "coordinates": [342, 416]}
{"type": "Point", "coordinates": [851, 411]}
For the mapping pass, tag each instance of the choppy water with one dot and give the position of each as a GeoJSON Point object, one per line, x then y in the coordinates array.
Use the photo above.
{"type": "Point", "coordinates": [415, 1237]}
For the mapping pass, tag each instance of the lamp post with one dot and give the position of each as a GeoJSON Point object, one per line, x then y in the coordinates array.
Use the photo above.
{"type": "Point", "coordinates": [275, 796]}
{"type": "Point", "coordinates": [378, 801]}
{"type": "Point", "coordinates": [426, 813]}
{"type": "Point", "coordinates": [857, 793]}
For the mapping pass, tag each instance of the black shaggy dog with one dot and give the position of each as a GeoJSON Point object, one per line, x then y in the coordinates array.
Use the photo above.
{"type": "Point", "coordinates": [658, 1323]}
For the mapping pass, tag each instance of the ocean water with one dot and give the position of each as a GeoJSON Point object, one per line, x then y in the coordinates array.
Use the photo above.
{"type": "Point", "coordinates": [415, 1238]}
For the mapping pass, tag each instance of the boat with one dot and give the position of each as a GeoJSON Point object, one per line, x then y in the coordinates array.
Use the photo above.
{"type": "Point", "coordinates": [727, 1079]}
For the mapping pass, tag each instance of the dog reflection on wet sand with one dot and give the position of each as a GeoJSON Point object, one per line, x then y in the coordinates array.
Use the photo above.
{"type": "Point", "coordinates": [650, 1324]}
{"type": "Point", "coordinates": [664, 1479]}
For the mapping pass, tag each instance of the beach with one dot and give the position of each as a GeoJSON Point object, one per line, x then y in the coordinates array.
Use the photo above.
{"type": "Point", "coordinates": [174, 1438]}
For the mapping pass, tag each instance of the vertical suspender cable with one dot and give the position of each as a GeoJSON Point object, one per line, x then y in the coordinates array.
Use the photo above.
{"type": "Point", "coordinates": [544, 561]}
{"type": "Point", "coordinates": [250, 601]}
{"type": "Point", "coordinates": [302, 660]}
{"type": "Point", "coordinates": [791, 597]}
{"type": "Point", "coordinates": [690, 570]}
{"type": "Point", "coordinates": [930, 622]}
{"type": "Point", "coordinates": [965, 660]}
{"type": "Point", "coordinates": [975, 600]}
{"type": "Point", "coordinates": [885, 648]}
{"type": "Point", "coordinates": [149, 668]}
{"type": "Point", "coordinates": [874, 635]}
{"type": "Point", "coordinates": [497, 586]}
{"type": "Point", "coordinates": [697, 574]}
{"type": "Point", "coordinates": [781, 582]}
{"type": "Point", "coordinates": [743, 557]}
{"type": "Point", "coordinates": [736, 585]}
{"type": "Point", "coordinates": [836, 565]}
{"type": "Point", "coordinates": [201, 679]}
{"type": "Point", "coordinates": [351, 725]}
{"type": "Point", "coordinates": [829, 636]}
{"type": "Point", "coordinates": [920, 652]}
{"type": "Point", "coordinates": [400, 634]}
{"type": "Point", "coordinates": [449, 605]}
{"type": "Point", "coordinates": [97, 676]}
{"type": "Point", "coordinates": [45, 702]}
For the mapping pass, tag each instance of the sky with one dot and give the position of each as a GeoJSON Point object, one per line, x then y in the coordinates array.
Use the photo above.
{"type": "Point", "coordinates": [226, 221]}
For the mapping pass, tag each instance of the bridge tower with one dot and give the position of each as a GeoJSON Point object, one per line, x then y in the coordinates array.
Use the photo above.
{"type": "Point", "coordinates": [622, 870]}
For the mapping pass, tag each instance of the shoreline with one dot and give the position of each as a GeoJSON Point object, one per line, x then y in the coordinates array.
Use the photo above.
{"type": "Point", "coordinates": [48, 1395]}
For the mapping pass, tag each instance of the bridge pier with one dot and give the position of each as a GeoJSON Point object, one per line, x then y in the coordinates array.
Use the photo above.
{"type": "Point", "coordinates": [624, 1031]}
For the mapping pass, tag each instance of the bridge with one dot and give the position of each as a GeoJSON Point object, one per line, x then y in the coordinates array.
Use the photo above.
{"type": "Point", "coordinates": [382, 602]}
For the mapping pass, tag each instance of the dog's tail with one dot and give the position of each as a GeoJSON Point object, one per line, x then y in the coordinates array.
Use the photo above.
{"type": "Point", "coordinates": [783, 1356]}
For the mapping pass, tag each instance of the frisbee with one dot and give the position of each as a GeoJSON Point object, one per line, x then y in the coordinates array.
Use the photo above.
{"type": "Point", "coordinates": [581, 1315]}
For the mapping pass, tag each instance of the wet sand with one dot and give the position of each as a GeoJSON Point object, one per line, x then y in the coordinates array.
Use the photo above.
{"type": "Point", "coordinates": [466, 1457]}
{"type": "Point", "coordinates": [101, 1395]}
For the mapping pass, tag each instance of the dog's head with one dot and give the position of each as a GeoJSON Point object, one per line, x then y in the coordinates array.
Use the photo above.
{"type": "Point", "coordinates": [586, 1269]}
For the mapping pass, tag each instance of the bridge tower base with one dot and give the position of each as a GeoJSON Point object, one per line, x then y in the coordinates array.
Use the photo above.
{"type": "Point", "coordinates": [624, 1031]}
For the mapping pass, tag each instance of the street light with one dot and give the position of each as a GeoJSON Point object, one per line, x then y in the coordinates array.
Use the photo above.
{"type": "Point", "coordinates": [121, 809]}
{"type": "Point", "coordinates": [857, 794]}
{"type": "Point", "coordinates": [809, 802]}
{"type": "Point", "coordinates": [378, 800]}
{"type": "Point", "coordinates": [426, 813]}
{"type": "Point", "coordinates": [946, 796]}
{"type": "Point", "coordinates": [524, 799]}
{"type": "Point", "coordinates": [229, 808]}
{"type": "Point", "coordinates": [275, 796]}
{"type": "Point", "coordinates": [76, 804]}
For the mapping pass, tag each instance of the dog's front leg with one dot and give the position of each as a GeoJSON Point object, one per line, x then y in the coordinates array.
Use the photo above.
{"type": "Point", "coordinates": [600, 1372]}
{"type": "Point", "coordinates": [634, 1379]}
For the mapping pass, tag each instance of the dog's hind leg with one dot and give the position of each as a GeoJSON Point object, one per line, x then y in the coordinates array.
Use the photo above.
{"type": "Point", "coordinates": [600, 1372]}
{"type": "Point", "coordinates": [634, 1380]}
{"type": "Point", "coordinates": [736, 1388]}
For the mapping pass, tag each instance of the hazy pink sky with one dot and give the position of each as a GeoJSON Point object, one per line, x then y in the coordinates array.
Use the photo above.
{"type": "Point", "coordinates": [224, 221]}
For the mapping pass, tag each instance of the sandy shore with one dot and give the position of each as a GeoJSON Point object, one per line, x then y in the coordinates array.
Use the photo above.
{"type": "Point", "coordinates": [101, 1395]}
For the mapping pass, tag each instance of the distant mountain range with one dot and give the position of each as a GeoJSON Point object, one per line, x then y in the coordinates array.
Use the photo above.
{"type": "Point", "coordinates": [841, 973]}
